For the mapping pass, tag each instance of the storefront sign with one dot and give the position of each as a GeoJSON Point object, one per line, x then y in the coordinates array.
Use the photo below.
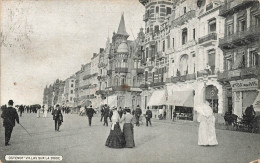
{"type": "Point", "coordinates": [244, 85]}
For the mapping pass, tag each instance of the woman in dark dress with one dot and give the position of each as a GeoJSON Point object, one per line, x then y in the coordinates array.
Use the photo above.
{"type": "Point", "coordinates": [115, 138]}
{"type": "Point", "coordinates": [128, 129]}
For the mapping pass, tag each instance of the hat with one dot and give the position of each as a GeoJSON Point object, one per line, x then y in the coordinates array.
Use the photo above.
{"type": "Point", "coordinates": [10, 102]}
{"type": "Point", "coordinates": [113, 108]}
{"type": "Point", "coordinates": [127, 110]}
{"type": "Point", "coordinates": [137, 106]}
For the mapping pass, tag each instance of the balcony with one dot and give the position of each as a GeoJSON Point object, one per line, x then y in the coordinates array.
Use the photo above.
{"type": "Point", "coordinates": [231, 7]}
{"type": "Point", "coordinates": [101, 92]}
{"type": "Point", "coordinates": [144, 86]}
{"type": "Point", "coordinates": [175, 79]}
{"type": "Point", "coordinates": [121, 70]}
{"type": "Point", "coordinates": [208, 39]}
{"type": "Point", "coordinates": [102, 65]}
{"type": "Point", "coordinates": [184, 18]}
{"type": "Point", "coordinates": [206, 72]}
{"type": "Point", "coordinates": [244, 73]}
{"type": "Point", "coordinates": [157, 84]}
{"type": "Point", "coordinates": [124, 87]}
{"type": "Point", "coordinates": [139, 70]}
{"type": "Point", "coordinates": [240, 38]}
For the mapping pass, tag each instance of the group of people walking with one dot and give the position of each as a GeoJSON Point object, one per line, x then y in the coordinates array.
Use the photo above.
{"type": "Point", "coordinates": [117, 138]}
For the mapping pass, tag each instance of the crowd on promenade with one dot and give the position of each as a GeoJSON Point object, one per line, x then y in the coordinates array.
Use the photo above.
{"type": "Point", "coordinates": [117, 138]}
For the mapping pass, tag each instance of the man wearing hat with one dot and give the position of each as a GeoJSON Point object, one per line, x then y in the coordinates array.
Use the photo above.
{"type": "Point", "coordinates": [9, 116]}
{"type": "Point", "coordinates": [106, 114]}
{"type": "Point", "coordinates": [57, 117]}
{"type": "Point", "coordinates": [90, 112]}
{"type": "Point", "coordinates": [138, 113]}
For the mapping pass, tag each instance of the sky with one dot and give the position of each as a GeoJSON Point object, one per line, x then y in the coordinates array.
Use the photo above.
{"type": "Point", "coordinates": [45, 40]}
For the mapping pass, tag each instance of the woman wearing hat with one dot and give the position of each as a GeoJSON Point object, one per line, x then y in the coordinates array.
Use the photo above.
{"type": "Point", "coordinates": [128, 128]}
{"type": "Point", "coordinates": [115, 138]}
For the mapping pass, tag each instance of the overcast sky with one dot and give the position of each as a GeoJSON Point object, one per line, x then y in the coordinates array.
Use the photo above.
{"type": "Point", "coordinates": [45, 40]}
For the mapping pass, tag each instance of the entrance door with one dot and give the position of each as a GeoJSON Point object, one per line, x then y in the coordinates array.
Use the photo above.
{"type": "Point", "coordinates": [229, 104]}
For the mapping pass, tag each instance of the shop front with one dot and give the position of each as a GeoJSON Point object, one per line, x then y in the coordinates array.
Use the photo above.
{"type": "Point", "coordinates": [182, 103]}
{"type": "Point", "coordinates": [244, 93]}
{"type": "Point", "coordinates": [157, 102]}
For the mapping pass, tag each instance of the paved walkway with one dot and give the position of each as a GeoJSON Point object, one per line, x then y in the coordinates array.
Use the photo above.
{"type": "Point", "coordinates": [163, 142]}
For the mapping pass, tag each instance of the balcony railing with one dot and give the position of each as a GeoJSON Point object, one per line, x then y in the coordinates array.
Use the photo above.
{"type": "Point", "coordinates": [121, 70]}
{"type": "Point", "coordinates": [242, 73]}
{"type": "Point", "coordinates": [175, 79]}
{"type": "Point", "coordinates": [231, 7]}
{"type": "Point", "coordinates": [248, 34]}
{"type": "Point", "coordinates": [139, 70]}
{"type": "Point", "coordinates": [157, 84]}
{"type": "Point", "coordinates": [102, 65]}
{"type": "Point", "coordinates": [184, 18]}
{"type": "Point", "coordinates": [206, 72]}
{"type": "Point", "coordinates": [124, 87]}
{"type": "Point", "coordinates": [211, 36]}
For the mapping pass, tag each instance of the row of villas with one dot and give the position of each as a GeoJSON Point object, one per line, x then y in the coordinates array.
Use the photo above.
{"type": "Point", "coordinates": [189, 52]}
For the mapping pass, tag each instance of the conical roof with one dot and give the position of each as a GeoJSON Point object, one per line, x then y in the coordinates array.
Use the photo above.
{"type": "Point", "coordinates": [121, 28]}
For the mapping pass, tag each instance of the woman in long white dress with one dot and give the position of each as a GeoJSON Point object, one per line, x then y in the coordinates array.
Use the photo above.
{"type": "Point", "coordinates": [207, 133]}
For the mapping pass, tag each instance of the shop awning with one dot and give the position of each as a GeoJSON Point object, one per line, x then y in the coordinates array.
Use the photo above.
{"type": "Point", "coordinates": [181, 98]}
{"type": "Point", "coordinates": [157, 98]}
{"type": "Point", "coordinates": [256, 103]}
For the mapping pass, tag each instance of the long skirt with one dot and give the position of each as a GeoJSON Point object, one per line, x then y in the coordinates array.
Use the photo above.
{"type": "Point", "coordinates": [207, 133]}
{"type": "Point", "coordinates": [115, 138]}
{"type": "Point", "coordinates": [128, 132]}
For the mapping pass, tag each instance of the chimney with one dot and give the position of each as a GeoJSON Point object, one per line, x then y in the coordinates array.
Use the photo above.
{"type": "Point", "coordinates": [101, 50]}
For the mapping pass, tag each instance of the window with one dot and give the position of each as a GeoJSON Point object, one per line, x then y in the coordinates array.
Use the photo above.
{"type": "Point", "coordinates": [146, 75]}
{"type": "Point", "coordinates": [70, 98]}
{"type": "Point", "coordinates": [242, 25]}
{"type": "Point", "coordinates": [71, 92]}
{"type": "Point", "coordinates": [157, 9]}
{"type": "Point", "coordinates": [211, 60]}
{"type": "Point", "coordinates": [71, 85]}
{"type": "Point", "coordinates": [163, 45]}
{"type": "Point", "coordinates": [256, 20]}
{"type": "Point", "coordinates": [156, 28]}
{"type": "Point", "coordinates": [168, 42]}
{"type": "Point", "coordinates": [228, 63]}
{"type": "Point", "coordinates": [147, 31]}
{"type": "Point", "coordinates": [253, 58]}
{"type": "Point", "coordinates": [229, 29]}
{"type": "Point", "coordinates": [122, 81]}
{"type": "Point", "coordinates": [212, 25]}
{"type": "Point", "coordinates": [184, 36]}
{"type": "Point", "coordinates": [194, 34]}
{"type": "Point", "coordinates": [168, 10]}
{"type": "Point", "coordinates": [172, 42]}
{"type": "Point", "coordinates": [184, 10]}
{"type": "Point", "coordinates": [146, 53]}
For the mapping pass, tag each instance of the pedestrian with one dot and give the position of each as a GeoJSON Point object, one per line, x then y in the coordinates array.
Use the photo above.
{"type": "Point", "coordinates": [207, 133]}
{"type": "Point", "coordinates": [120, 112]}
{"type": "Point", "coordinates": [110, 115]}
{"type": "Point", "coordinates": [128, 129]}
{"type": "Point", "coordinates": [106, 114]}
{"type": "Point", "coordinates": [90, 112]}
{"type": "Point", "coordinates": [38, 111]}
{"type": "Point", "coordinates": [57, 117]}
{"type": "Point", "coordinates": [102, 113]}
{"type": "Point", "coordinates": [9, 116]}
{"type": "Point", "coordinates": [148, 116]}
{"type": "Point", "coordinates": [138, 113]}
{"type": "Point", "coordinates": [45, 111]}
{"type": "Point", "coordinates": [115, 138]}
{"type": "Point", "coordinates": [21, 110]}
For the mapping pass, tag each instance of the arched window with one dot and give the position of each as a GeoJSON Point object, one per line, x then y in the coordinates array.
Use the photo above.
{"type": "Point", "coordinates": [184, 64]}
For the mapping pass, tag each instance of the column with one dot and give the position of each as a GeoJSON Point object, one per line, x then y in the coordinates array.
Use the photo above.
{"type": "Point", "coordinates": [235, 23]}
{"type": "Point", "coordinates": [248, 17]}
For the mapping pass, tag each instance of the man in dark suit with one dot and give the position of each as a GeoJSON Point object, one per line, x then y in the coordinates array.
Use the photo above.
{"type": "Point", "coordinates": [138, 113]}
{"type": "Point", "coordinates": [57, 117]}
{"type": "Point", "coordinates": [90, 112]}
{"type": "Point", "coordinates": [102, 113]}
{"type": "Point", "coordinates": [21, 110]}
{"type": "Point", "coordinates": [148, 116]}
{"type": "Point", "coordinates": [106, 114]}
{"type": "Point", "coordinates": [9, 116]}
